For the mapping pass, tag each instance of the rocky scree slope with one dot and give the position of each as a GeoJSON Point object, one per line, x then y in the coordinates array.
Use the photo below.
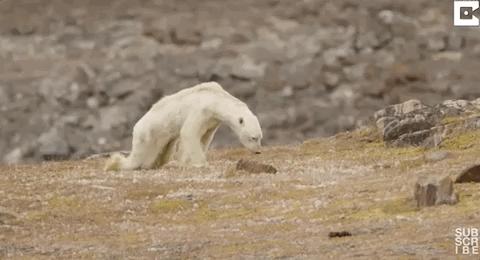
{"type": "Point", "coordinates": [75, 77]}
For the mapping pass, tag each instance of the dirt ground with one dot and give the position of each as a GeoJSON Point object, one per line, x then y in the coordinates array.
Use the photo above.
{"type": "Point", "coordinates": [349, 182]}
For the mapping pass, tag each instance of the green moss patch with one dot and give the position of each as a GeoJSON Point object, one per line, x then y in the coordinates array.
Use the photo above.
{"type": "Point", "coordinates": [166, 206]}
{"type": "Point", "coordinates": [462, 141]}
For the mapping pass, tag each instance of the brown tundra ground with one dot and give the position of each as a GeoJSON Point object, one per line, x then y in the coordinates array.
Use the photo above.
{"type": "Point", "coordinates": [350, 182]}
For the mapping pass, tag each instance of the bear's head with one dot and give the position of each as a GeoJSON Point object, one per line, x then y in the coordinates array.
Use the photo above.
{"type": "Point", "coordinates": [247, 128]}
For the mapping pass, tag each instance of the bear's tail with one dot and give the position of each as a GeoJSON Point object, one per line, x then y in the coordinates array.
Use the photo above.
{"type": "Point", "coordinates": [116, 162]}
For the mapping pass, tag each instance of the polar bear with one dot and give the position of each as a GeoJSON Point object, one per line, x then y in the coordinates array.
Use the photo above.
{"type": "Point", "coordinates": [184, 124]}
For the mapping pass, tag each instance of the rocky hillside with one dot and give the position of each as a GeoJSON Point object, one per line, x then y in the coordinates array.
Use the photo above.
{"type": "Point", "coordinates": [74, 77]}
{"type": "Point", "coordinates": [350, 195]}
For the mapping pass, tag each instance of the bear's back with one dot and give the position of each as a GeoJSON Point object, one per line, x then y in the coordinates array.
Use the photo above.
{"type": "Point", "coordinates": [208, 87]}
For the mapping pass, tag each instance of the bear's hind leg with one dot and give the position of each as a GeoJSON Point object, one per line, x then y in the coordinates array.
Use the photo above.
{"type": "Point", "coordinates": [166, 154]}
{"type": "Point", "coordinates": [144, 152]}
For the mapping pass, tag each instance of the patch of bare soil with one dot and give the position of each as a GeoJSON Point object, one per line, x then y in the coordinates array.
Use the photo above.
{"type": "Point", "coordinates": [348, 183]}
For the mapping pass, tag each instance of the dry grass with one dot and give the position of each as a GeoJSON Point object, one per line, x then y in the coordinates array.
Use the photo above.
{"type": "Point", "coordinates": [347, 182]}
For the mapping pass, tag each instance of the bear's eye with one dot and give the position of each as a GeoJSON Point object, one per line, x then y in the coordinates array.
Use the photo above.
{"type": "Point", "coordinates": [240, 120]}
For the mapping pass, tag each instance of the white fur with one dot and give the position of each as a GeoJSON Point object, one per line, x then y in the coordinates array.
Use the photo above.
{"type": "Point", "coordinates": [184, 124]}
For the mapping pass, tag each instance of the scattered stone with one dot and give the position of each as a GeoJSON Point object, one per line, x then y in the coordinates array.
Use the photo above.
{"type": "Point", "coordinates": [245, 68]}
{"type": "Point", "coordinates": [13, 157]}
{"type": "Point", "coordinates": [112, 117]}
{"type": "Point", "coordinates": [339, 234]}
{"type": "Point", "coordinates": [254, 167]}
{"type": "Point", "coordinates": [244, 89]}
{"type": "Point", "coordinates": [53, 145]}
{"type": "Point", "coordinates": [64, 84]}
{"type": "Point", "coordinates": [460, 105]}
{"type": "Point", "coordinates": [414, 128]}
{"type": "Point", "coordinates": [186, 36]}
{"type": "Point", "coordinates": [93, 103]}
{"type": "Point", "coordinates": [125, 87]}
{"type": "Point", "coordinates": [271, 81]}
{"type": "Point", "coordinates": [331, 79]}
{"type": "Point", "coordinates": [455, 42]}
{"type": "Point", "coordinates": [399, 109]}
{"type": "Point", "coordinates": [436, 44]}
{"type": "Point", "coordinates": [341, 55]}
{"type": "Point", "coordinates": [437, 156]}
{"type": "Point", "coordinates": [448, 55]}
{"type": "Point", "coordinates": [415, 124]}
{"type": "Point", "coordinates": [434, 190]}
{"type": "Point", "coordinates": [283, 62]}
{"type": "Point", "coordinates": [472, 174]}
{"type": "Point", "coordinates": [4, 96]}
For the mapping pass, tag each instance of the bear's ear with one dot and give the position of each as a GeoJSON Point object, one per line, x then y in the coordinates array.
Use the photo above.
{"type": "Point", "coordinates": [240, 120]}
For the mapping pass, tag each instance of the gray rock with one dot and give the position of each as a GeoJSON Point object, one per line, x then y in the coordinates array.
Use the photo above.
{"type": "Point", "coordinates": [81, 66]}
{"type": "Point", "coordinates": [412, 123]}
{"type": "Point", "coordinates": [271, 81]}
{"type": "Point", "coordinates": [400, 109]}
{"type": "Point", "coordinates": [245, 68]}
{"type": "Point", "coordinates": [254, 167]}
{"type": "Point", "coordinates": [93, 102]}
{"type": "Point", "coordinates": [455, 42]}
{"type": "Point", "coordinates": [112, 117]}
{"type": "Point", "coordinates": [13, 157]}
{"type": "Point", "coordinates": [416, 138]}
{"type": "Point", "coordinates": [125, 87]}
{"type": "Point", "coordinates": [298, 75]}
{"type": "Point", "coordinates": [244, 90]}
{"type": "Point", "coordinates": [134, 47]}
{"type": "Point", "coordinates": [53, 145]}
{"type": "Point", "coordinates": [4, 96]}
{"type": "Point", "coordinates": [476, 103]}
{"type": "Point", "coordinates": [331, 79]}
{"type": "Point", "coordinates": [437, 156]}
{"type": "Point", "coordinates": [64, 84]}
{"type": "Point", "coordinates": [367, 40]}
{"type": "Point", "coordinates": [186, 35]}
{"type": "Point", "coordinates": [396, 128]}
{"type": "Point", "coordinates": [458, 105]}
{"type": "Point", "coordinates": [337, 56]}
{"type": "Point", "coordinates": [356, 72]}
{"type": "Point", "coordinates": [436, 43]}
{"type": "Point", "coordinates": [435, 190]}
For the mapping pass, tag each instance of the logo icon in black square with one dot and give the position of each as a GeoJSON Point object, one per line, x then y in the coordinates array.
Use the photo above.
{"type": "Point", "coordinates": [465, 13]}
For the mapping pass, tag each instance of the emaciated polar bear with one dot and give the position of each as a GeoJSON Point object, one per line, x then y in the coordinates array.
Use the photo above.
{"type": "Point", "coordinates": [183, 124]}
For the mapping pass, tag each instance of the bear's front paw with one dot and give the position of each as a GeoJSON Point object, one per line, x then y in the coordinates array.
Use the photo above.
{"type": "Point", "coordinates": [195, 161]}
{"type": "Point", "coordinates": [196, 164]}
{"type": "Point", "coordinates": [186, 166]}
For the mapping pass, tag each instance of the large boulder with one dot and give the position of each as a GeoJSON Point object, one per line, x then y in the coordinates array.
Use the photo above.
{"type": "Point", "coordinates": [414, 123]}
{"type": "Point", "coordinates": [434, 190]}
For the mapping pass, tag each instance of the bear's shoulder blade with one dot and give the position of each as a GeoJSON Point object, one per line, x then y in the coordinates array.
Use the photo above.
{"type": "Point", "coordinates": [209, 86]}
